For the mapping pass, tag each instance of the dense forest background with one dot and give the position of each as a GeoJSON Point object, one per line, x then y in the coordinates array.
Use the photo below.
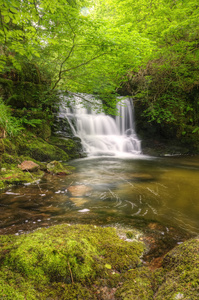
{"type": "Point", "coordinates": [145, 49]}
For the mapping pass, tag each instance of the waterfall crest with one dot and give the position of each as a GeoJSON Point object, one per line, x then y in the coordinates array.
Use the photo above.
{"type": "Point", "coordinates": [102, 134]}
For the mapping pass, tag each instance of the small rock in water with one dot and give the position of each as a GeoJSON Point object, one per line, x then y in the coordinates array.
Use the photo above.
{"type": "Point", "coordinates": [84, 210]}
{"type": "Point", "coordinates": [79, 190]}
{"type": "Point", "coordinates": [78, 201]}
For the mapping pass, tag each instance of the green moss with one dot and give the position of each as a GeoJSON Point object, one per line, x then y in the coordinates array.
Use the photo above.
{"type": "Point", "coordinates": [55, 167]}
{"type": "Point", "coordinates": [90, 262]}
{"type": "Point", "coordinates": [6, 145]}
{"type": "Point", "coordinates": [129, 234]}
{"type": "Point", "coordinates": [9, 159]}
{"type": "Point", "coordinates": [39, 149]}
{"type": "Point", "coordinates": [62, 262]}
{"type": "Point", "coordinates": [10, 174]}
{"type": "Point", "coordinates": [137, 285]}
{"type": "Point", "coordinates": [181, 267]}
{"type": "Point", "coordinates": [71, 146]}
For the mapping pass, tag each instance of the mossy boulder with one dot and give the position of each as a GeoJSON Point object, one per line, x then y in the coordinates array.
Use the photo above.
{"type": "Point", "coordinates": [181, 267]}
{"type": "Point", "coordinates": [55, 167]}
{"type": "Point", "coordinates": [29, 145]}
{"type": "Point", "coordinates": [137, 285]}
{"type": "Point", "coordinates": [39, 149]}
{"type": "Point", "coordinates": [72, 146]}
{"type": "Point", "coordinates": [15, 176]}
{"type": "Point", "coordinates": [63, 262]}
{"type": "Point", "coordinates": [89, 262]}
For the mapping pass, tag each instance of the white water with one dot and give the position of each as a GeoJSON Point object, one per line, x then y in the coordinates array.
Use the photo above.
{"type": "Point", "coordinates": [102, 134]}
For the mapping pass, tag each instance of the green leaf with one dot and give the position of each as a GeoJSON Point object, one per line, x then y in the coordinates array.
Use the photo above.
{"type": "Point", "coordinates": [108, 266]}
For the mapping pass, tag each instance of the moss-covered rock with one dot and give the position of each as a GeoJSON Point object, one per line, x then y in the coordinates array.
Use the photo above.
{"type": "Point", "coordinates": [137, 285]}
{"type": "Point", "coordinates": [63, 262]}
{"type": "Point", "coordinates": [39, 149]}
{"type": "Point", "coordinates": [181, 267]}
{"type": "Point", "coordinates": [29, 145]}
{"type": "Point", "coordinates": [15, 176]}
{"type": "Point", "coordinates": [72, 146]}
{"type": "Point", "coordinates": [55, 167]}
{"type": "Point", "coordinates": [89, 262]}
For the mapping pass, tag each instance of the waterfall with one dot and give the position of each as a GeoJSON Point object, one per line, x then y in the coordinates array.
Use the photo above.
{"type": "Point", "coordinates": [101, 134]}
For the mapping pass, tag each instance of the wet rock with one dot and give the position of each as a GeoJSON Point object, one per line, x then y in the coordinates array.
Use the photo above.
{"type": "Point", "coordinates": [55, 167]}
{"type": "Point", "coordinates": [79, 190]}
{"type": "Point", "coordinates": [29, 166]}
{"type": "Point", "coordinates": [78, 201]}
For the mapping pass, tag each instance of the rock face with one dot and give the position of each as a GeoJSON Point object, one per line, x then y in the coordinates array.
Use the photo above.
{"type": "Point", "coordinates": [28, 165]}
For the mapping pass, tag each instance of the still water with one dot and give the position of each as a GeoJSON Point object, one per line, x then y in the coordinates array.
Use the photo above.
{"type": "Point", "coordinates": [108, 191]}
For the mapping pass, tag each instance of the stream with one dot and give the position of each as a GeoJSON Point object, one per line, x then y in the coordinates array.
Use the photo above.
{"type": "Point", "coordinates": [127, 191]}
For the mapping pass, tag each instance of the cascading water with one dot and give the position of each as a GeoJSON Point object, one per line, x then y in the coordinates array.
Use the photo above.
{"type": "Point", "coordinates": [102, 134]}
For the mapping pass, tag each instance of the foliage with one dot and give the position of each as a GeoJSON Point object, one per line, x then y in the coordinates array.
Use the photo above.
{"type": "Point", "coordinates": [8, 124]}
{"type": "Point", "coordinates": [102, 47]}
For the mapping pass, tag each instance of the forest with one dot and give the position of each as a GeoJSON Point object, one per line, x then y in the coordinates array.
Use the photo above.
{"type": "Point", "coordinates": [144, 49]}
{"type": "Point", "coordinates": [114, 224]}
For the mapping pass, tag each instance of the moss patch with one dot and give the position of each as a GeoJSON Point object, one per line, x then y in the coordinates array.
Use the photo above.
{"type": "Point", "coordinates": [63, 262]}
{"type": "Point", "coordinates": [90, 262]}
{"type": "Point", "coordinates": [14, 176]}
{"type": "Point", "coordinates": [39, 149]}
{"type": "Point", "coordinates": [71, 146]}
{"type": "Point", "coordinates": [55, 167]}
{"type": "Point", "coordinates": [181, 267]}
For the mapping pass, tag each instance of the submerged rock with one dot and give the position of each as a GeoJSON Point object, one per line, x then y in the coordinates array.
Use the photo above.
{"type": "Point", "coordinates": [79, 190]}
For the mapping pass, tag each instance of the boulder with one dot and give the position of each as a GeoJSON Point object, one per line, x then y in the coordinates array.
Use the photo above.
{"type": "Point", "coordinates": [55, 167]}
{"type": "Point", "coordinates": [28, 165]}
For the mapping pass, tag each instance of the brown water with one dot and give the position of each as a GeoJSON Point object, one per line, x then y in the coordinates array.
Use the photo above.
{"type": "Point", "coordinates": [110, 191]}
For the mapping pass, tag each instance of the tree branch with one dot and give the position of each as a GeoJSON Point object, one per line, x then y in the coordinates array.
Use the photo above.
{"type": "Point", "coordinates": [60, 71]}
{"type": "Point", "coordinates": [85, 63]}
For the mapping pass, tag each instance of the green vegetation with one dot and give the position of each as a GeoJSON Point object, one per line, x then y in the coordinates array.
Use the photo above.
{"type": "Point", "coordinates": [148, 50]}
{"type": "Point", "coordinates": [63, 262]}
{"type": "Point", "coordinates": [90, 262]}
{"type": "Point", "coordinates": [27, 146]}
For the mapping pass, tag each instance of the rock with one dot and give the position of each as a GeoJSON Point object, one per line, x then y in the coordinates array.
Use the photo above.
{"type": "Point", "coordinates": [28, 165]}
{"type": "Point", "coordinates": [55, 167]}
{"type": "Point", "coordinates": [78, 190]}
{"type": "Point", "coordinates": [78, 201]}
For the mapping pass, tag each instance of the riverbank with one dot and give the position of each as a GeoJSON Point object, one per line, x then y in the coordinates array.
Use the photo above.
{"type": "Point", "coordinates": [91, 262]}
{"type": "Point", "coordinates": [31, 148]}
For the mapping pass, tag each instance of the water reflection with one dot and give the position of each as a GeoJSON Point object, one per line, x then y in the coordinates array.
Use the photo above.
{"type": "Point", "coordinates": [109, 191]}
